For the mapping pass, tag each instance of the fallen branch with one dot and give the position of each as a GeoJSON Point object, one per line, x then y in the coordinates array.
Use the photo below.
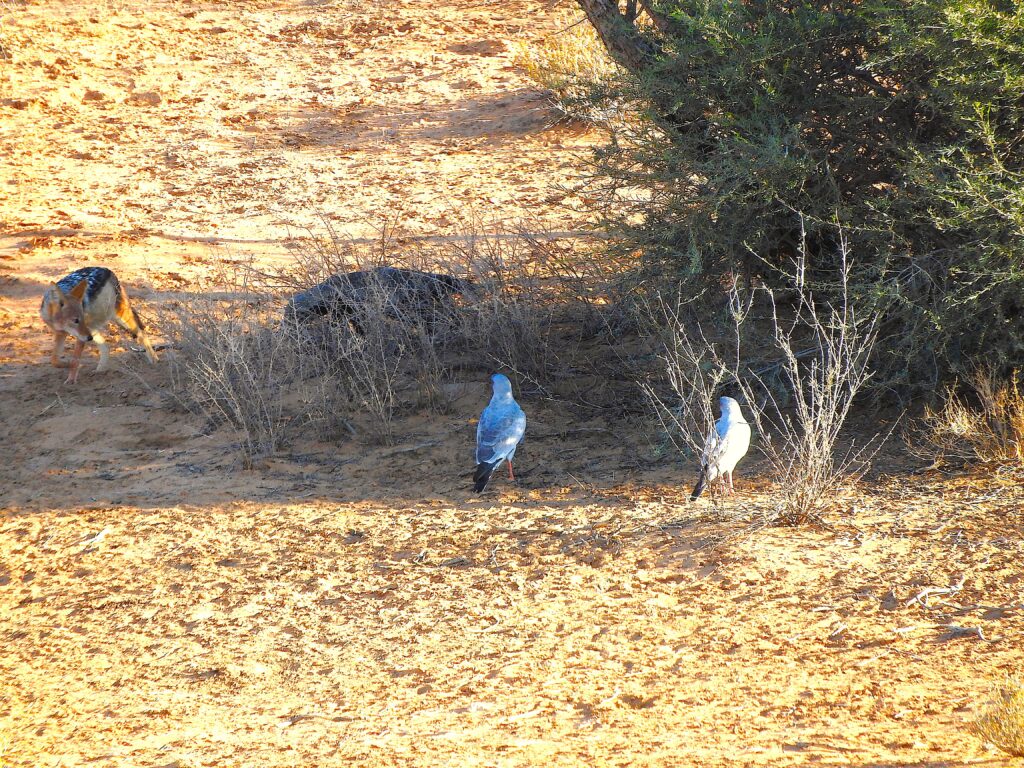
{"type": "Point", "coordinates": [958, 631]}
{"type": "Point", "coordinates": [921, 598]}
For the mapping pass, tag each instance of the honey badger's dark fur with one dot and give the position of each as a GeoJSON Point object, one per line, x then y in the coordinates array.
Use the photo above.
{"type": "Point", "coordinates": [402, 293]}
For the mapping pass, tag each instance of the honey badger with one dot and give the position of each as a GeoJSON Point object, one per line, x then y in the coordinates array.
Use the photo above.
{"type": "Point", "coordinates": [399, 292]}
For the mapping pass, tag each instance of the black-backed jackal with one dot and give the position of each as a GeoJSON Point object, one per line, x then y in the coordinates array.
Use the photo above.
{"type": "Point", "coordinates": [82, 305]}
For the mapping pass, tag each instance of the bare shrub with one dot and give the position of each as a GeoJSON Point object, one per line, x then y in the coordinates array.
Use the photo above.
{"type": "Point", "coordinates": [990, 431]}
{"type": "Point", "coordinates": [316, 255]}
{"type": "Point", "coordinates": [546, 309]}
{"type": "Point", "coordinates": [573, 66]}
{"type": "Point", "coordinates": [511, 325]}
{"type": "Point", "coordinates": [232, 364]}
{"type": "Point", "coordinates": [380, 359]}
{"type": "Point", "coordinates": [825, 351]}
{"type": "Point", "coordinates": [1002, 723]}
{"type": "Point", "coordinates": [382, 354]}
{"type": "Point", "coordinates": [247, 357]}
{"type": "Point", "coordinates": [799, 398]}
{"type": "Point", "coordinates": [229, 366]}
{"type": "Point", "coordinates": [322, 251]}
{"type": "Point", "coordinates": [696, 370]}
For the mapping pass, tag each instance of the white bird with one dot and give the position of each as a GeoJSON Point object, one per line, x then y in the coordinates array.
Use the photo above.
{"type": "Point", "coordinates": [501, 428]}
{"type": "Point", "coordinates": [726, 445]}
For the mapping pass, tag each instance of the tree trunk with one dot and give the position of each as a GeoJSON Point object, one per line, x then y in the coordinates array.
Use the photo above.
{"type": "Point", "coordinates": [621, 38]}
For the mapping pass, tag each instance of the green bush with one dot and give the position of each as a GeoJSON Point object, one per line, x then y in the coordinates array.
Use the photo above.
{"type": "Point", "coordinates": [771, 124]}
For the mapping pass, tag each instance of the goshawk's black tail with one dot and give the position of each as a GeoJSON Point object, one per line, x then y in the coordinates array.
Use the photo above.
{"type": "Point", "coordinates": [483, 474]}
{"type": "Point", "coordinates": [701, 482]}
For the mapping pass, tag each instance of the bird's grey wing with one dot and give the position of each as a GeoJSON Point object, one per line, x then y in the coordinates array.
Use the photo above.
{"type": "Point", "coordinates": [713, 445]}
{"type": "Point", "coordinates": [499, 432]}
{"type": "Point", "coordinates": [716, 445]}
{"type": "Point", "coordinates": [709, 459]}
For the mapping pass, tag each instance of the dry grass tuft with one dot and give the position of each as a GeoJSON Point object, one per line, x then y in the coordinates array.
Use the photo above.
{"type": "Point", "coordinates": [990, 431]}
{"type": "Point", "coordinates": [573, 66]}
{"type": "Point", "coordinates": [1002, 723]}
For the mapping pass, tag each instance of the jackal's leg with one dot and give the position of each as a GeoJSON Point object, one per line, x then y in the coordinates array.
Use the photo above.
{"type": "Point", "coordinates": [59, 337]}
{"type": "Point", "coordinates": [129, 320]}
{"type": "Point", "coordinates": [76, 360]}
{"type": "Point", "coordinates": [104, 351]}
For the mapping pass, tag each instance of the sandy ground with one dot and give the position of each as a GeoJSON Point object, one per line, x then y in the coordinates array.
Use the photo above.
{"type": "Point", "coordinates": [355, 604]}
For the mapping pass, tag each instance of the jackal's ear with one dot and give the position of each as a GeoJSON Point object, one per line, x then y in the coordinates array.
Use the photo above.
{"type": "Point", "coordinates": [54, 299]}
{"type": "Point", "coordinates": [78, 292]}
